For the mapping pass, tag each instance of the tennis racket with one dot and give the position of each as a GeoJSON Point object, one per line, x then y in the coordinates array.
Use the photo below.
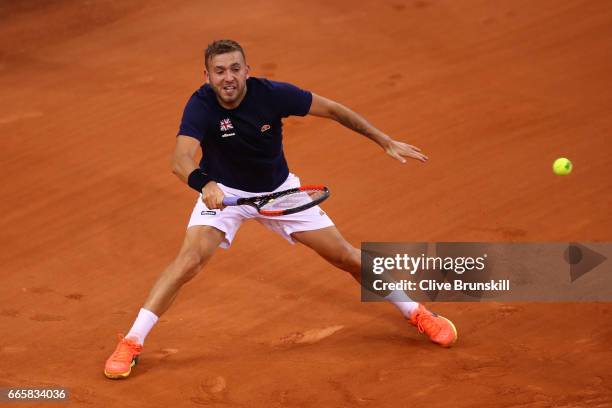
{"type": "Point", "coordinates": [283, 202]}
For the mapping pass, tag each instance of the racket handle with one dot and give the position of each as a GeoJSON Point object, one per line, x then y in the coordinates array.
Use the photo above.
{"type": "Point", "coordinates": [230, 201]}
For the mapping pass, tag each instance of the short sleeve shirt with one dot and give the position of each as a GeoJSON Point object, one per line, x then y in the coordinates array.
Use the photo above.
{"type": "Point", "coordinates": [242, 148]}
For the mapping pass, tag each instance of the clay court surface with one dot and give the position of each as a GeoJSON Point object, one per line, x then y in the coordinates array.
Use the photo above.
{"type": "Point", "coordinates": [92, 94]}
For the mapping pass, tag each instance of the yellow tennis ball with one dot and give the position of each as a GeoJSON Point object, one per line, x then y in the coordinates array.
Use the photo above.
{"type": "Point", "coordinates": [562, 166]}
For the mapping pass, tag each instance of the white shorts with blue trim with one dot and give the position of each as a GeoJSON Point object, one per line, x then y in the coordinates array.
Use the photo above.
{"type": "Point", "coordinates": [230, 219]}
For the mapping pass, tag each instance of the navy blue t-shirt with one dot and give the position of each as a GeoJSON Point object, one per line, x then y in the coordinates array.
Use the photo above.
{"type": "Point", "coordinates": [242, 147]}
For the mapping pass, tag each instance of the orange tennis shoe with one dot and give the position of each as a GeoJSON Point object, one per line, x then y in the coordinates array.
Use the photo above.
{"type": "Point", "coordinates": [119, 364]}
{"type": "Point", "coordinates": [439, 329]}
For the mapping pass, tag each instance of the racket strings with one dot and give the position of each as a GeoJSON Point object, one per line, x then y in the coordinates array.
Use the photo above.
{"type": "Point", "coordinates": [292, 200]}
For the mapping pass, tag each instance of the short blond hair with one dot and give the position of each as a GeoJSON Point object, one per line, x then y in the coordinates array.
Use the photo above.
{"type": "Point", "coordinates": [219, 47]}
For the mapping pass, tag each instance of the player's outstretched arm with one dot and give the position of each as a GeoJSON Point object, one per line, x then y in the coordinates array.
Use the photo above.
{"type": "Point", "coordinates": [326, 108]}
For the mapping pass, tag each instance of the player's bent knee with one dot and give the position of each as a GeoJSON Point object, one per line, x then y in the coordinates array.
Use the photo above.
{"type": "Point", "coordinates": [354, 258]}
{"type": "Point", "coordinates": [348, 258]}
{"type": "Point", "coordinates": [188, 264]}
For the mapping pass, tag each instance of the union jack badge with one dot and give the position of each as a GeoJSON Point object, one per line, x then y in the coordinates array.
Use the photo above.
{"type": "Point", "coordinates": [225, 125]}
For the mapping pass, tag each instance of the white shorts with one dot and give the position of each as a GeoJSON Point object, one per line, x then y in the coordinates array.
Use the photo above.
{"type": "Point", "coordinates": [230, 219]}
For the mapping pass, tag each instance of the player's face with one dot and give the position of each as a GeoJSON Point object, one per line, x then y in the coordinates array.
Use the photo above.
{"type": "Point", "coordinates": [227, 75]}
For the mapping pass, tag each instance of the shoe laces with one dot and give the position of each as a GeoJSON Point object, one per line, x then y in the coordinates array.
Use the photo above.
{"type": "Point", "coordinates": [125, 349]}
{"type": "Point", "coordinates": [427, 323]}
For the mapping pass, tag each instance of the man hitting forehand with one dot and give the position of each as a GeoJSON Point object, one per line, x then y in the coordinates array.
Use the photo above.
{"type": "Point", "coordinates": [236, 121]}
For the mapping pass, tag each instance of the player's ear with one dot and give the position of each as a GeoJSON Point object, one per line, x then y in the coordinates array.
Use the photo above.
{"type": "Point", "coordinates": [248, 68]}
{"type": "Point", "coordinates": [206, 75]}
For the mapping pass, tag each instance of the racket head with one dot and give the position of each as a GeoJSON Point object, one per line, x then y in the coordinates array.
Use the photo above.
{"type": "Point", "coordinates": [292, 201]}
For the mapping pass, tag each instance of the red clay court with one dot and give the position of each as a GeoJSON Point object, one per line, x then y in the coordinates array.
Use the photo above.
{"type": "Point", "coordinates": [493, 92]}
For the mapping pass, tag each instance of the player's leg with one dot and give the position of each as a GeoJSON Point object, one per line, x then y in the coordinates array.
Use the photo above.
{"type": "Point", "coordinates": [315, 229]}
{"type": "Point", "coordinates": [198, 246]}
{"type": "Point", "coordinates": [207, 230]}
{"type": "Point", "coordinates": [331, 245]}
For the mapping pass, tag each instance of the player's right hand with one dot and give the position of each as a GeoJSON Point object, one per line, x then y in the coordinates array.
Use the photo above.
{"type": "Point", "coordinates": [212, 196]}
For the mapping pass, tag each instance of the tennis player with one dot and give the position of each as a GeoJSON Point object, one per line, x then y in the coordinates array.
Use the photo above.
{"type": "Point", "coordinates": [236, 121]}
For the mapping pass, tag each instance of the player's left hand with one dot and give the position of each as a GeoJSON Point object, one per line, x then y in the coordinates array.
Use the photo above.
{"type": "Point", "coordinates": [400, 150]}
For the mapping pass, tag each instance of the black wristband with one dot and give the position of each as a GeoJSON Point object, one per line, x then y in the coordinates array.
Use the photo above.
{"type": "Point", "coordinates": [198, 179]}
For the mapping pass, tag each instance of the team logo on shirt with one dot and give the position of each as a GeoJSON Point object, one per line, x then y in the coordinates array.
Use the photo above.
{"type": "Point", "coordinates": [225, 125]}
{"type": "Point", "coordinates": [264, 128]}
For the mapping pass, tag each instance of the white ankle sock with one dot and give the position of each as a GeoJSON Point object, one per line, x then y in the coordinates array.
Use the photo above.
{"type": "Point", "coordinates": [400, 300]}
{"type": "Point", "coordinates": [143, 325]}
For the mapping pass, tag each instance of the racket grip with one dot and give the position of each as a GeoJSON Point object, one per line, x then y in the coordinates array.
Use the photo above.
{"type": "Point", "coordinates": [230, 201]}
